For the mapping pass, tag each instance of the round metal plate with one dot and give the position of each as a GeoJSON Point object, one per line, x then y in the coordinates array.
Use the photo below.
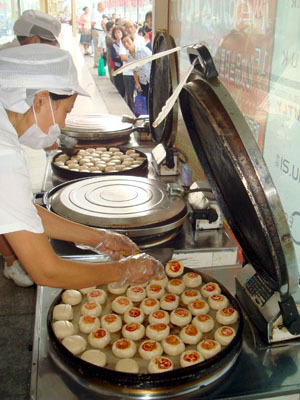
{"type": "Point", "coordinates": [117, 202]}
{"type": "Point", "coordinates": [240, 180]}
{"type": "Point", "coordinates": [95, 127]}
{"type": "Point", "coordinates": [98, 123]}
{"type": "Point", "coordinates": [163, 81]}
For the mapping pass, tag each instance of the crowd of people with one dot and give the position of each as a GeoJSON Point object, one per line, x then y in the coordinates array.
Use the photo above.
{"type": "Point", "coordinates": [38, 88]}
{"type": "Point", "coordinates": [119, 41]}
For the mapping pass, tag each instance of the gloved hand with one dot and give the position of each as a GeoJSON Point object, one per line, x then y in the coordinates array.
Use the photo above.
{"type": "Point", "coordinates": [139, 269]}
{"type": "Point", "coordinates": [114, 245]}
{"type": "Point", "coordinates": [117, 245]}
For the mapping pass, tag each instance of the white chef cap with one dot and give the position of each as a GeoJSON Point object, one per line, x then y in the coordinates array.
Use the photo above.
{"type": "Point", "coordinates": [34, 22]}
{"type": "Point", "coordinates": [27, 70]}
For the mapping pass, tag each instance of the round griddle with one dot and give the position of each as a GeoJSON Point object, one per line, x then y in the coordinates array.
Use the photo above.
{"type": "Point", "coordinates": [172, 384]}
{"type": "Point", "coordinates": [163, 80]}
{"type": "Point", "coordinates": [99, 128]}
{"type": "Point", "coordinates": [66, 174]}
{"type": "Point", "coordinates": [139, 206]}
{"type": "Point", "coordinates": [238, 176]}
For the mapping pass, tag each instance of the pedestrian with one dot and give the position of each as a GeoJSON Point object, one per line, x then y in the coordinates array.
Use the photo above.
{"type": "Point", "coordinates": [109, 42]}
{"type": "Point", "coordinates": [141, 73]}
{"type": "Point", "coordinates": [85, 30]}
{"type": "Point", "coordinates": [97, 28]}
{"type": "Point", "coordinates": [117, 34]}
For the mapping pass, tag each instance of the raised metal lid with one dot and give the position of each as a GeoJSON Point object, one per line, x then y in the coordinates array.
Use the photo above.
{"type": "Point", "coordinates": [118, 202]}
{"type": "Point", "coordinates": [163, 81]}
{"type": "Point", "coordinates": [239, 176]}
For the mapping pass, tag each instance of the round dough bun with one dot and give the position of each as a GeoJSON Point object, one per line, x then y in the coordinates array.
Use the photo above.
{"type": "Point", "coordinates": [190, 357]}
{"type": "Point", "coordinates": [218, 301]}
{"type": "Point", "coordinates": [204, 323]}
{"type": "Point", "coordinates": [173, 345]}
{"type": "Point", "coordinates": [136, 293]}
{"type": "Point", "coordinates": [127, 365]}
{"type": "Point", "coordinates": [124, 348]}
{"type": "Point", "coordinates": [210, 288]}
{"type": "Point", "coordinates": [190, 295]}
{"type": "Point", "coordinates": [99, 338]}
{"type": "Point", "coordinates": [160, 280]}
{"type": "Point", "coordinates": [111, 322]}
{"type": "Point", "coordinates": [88, 323]}
{"type": "Point", "coordinates": [150, 349]}
{"type": "Point", "coordinates": [174, 268]}
{"type": "Point", "coordinates": [169, 302]}
{"type": "Point", "coordinates": [209, 348]}
{"type": "Point", "coordinates": [175, 286]}
{"type": "Point", "coordinates": [133, 331]}
{"type": "Point", "coordinates": [97, 295]}
{"type": "Point", "coordinates": [71, 296]}
{"type": "Point", "coordinates": [190, 334]}
{"type": "Point", "coordinates": [63, 312]}
{"type": "Point", "coordinates": [121, 304]}
{"type": "Point", "coordinates": [157, 331]}
{"type": "Point", "coordinates": [155, 290]}
{"type": "Point", "coordinates": [180, 317]}
{"type": "Point", "coordinates": [95, 357]}
{"type": "Point", "coordinates": [198, 307]}
{"type": "Point", "coordinates": [192, 279]}
{"type": "Point", "coordinates": [227, 316]}
{"type": "Point", "coordinates": [160, 364]}
{"type": "Point", "coordinates": [75, 344]}
{"type": "Point", "coordinates": [149, 304]}
{"type": "Point", "coordinates": [134, 314]}
{"type": "Point", "coordinates": [159, 316]}
{"type": "Point", "coordinates": [91, 308]}
{"type": "Point", "coordinates": [224, 335]}
{"type": "Point", "coordinates": [114, 289]}
{"type": "Point", "coordinates": [63, 329]}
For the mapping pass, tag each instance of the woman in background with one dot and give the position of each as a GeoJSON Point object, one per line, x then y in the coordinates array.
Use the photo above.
{"type": "Point", "coordinates": [85, 30]}
{"type": "Point", "coordinates": [117, 34]}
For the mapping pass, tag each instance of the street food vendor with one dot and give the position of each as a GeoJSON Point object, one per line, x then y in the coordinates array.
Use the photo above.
{"type": "Point", "coordinates": [38, 88]}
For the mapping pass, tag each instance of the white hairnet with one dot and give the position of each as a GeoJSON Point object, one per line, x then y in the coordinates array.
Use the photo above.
{"type": "Point", "coordinates": [34, 22]}
{"type": "Point", "coordinates": [27, 70]}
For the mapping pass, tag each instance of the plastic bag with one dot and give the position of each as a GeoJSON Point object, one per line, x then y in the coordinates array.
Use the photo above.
{"type": "Point", "coordinates": [140, 105]}
{"type": "Point", "coordinates": [101, 67]}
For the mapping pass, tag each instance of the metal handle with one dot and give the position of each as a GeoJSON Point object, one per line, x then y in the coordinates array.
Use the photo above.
{"type": "Point", "coordinates": [204, 65]}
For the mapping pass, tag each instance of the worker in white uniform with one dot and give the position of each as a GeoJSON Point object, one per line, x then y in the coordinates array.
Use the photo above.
{"type": "Point", "coordinates": [38, 88]}
{"type": "Point", "coordinates": [33, 26]}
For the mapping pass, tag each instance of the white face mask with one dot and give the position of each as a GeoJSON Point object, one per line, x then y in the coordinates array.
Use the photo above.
{"type": "Point", "coordinates": [35, 138]}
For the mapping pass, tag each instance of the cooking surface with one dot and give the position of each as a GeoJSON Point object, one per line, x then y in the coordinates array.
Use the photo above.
{"type": "Point", "coordinates": [260, 371]}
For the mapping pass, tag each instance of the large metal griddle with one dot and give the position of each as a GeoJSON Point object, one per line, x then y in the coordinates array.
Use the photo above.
{"type": "Point", "coordinates": [139, 207]}
{"type": "Point", "coordinates": [145, 385]}
{"type": "Point", "coordinates": [65, 174]}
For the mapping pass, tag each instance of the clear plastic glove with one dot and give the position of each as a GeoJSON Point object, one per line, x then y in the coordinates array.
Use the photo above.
{"type": "Point", "coordinates": [114, 245]}
{"type": "Point", "coordinates": [117, 245]}
{"type": "Point", "coordinates": [139, 269]}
